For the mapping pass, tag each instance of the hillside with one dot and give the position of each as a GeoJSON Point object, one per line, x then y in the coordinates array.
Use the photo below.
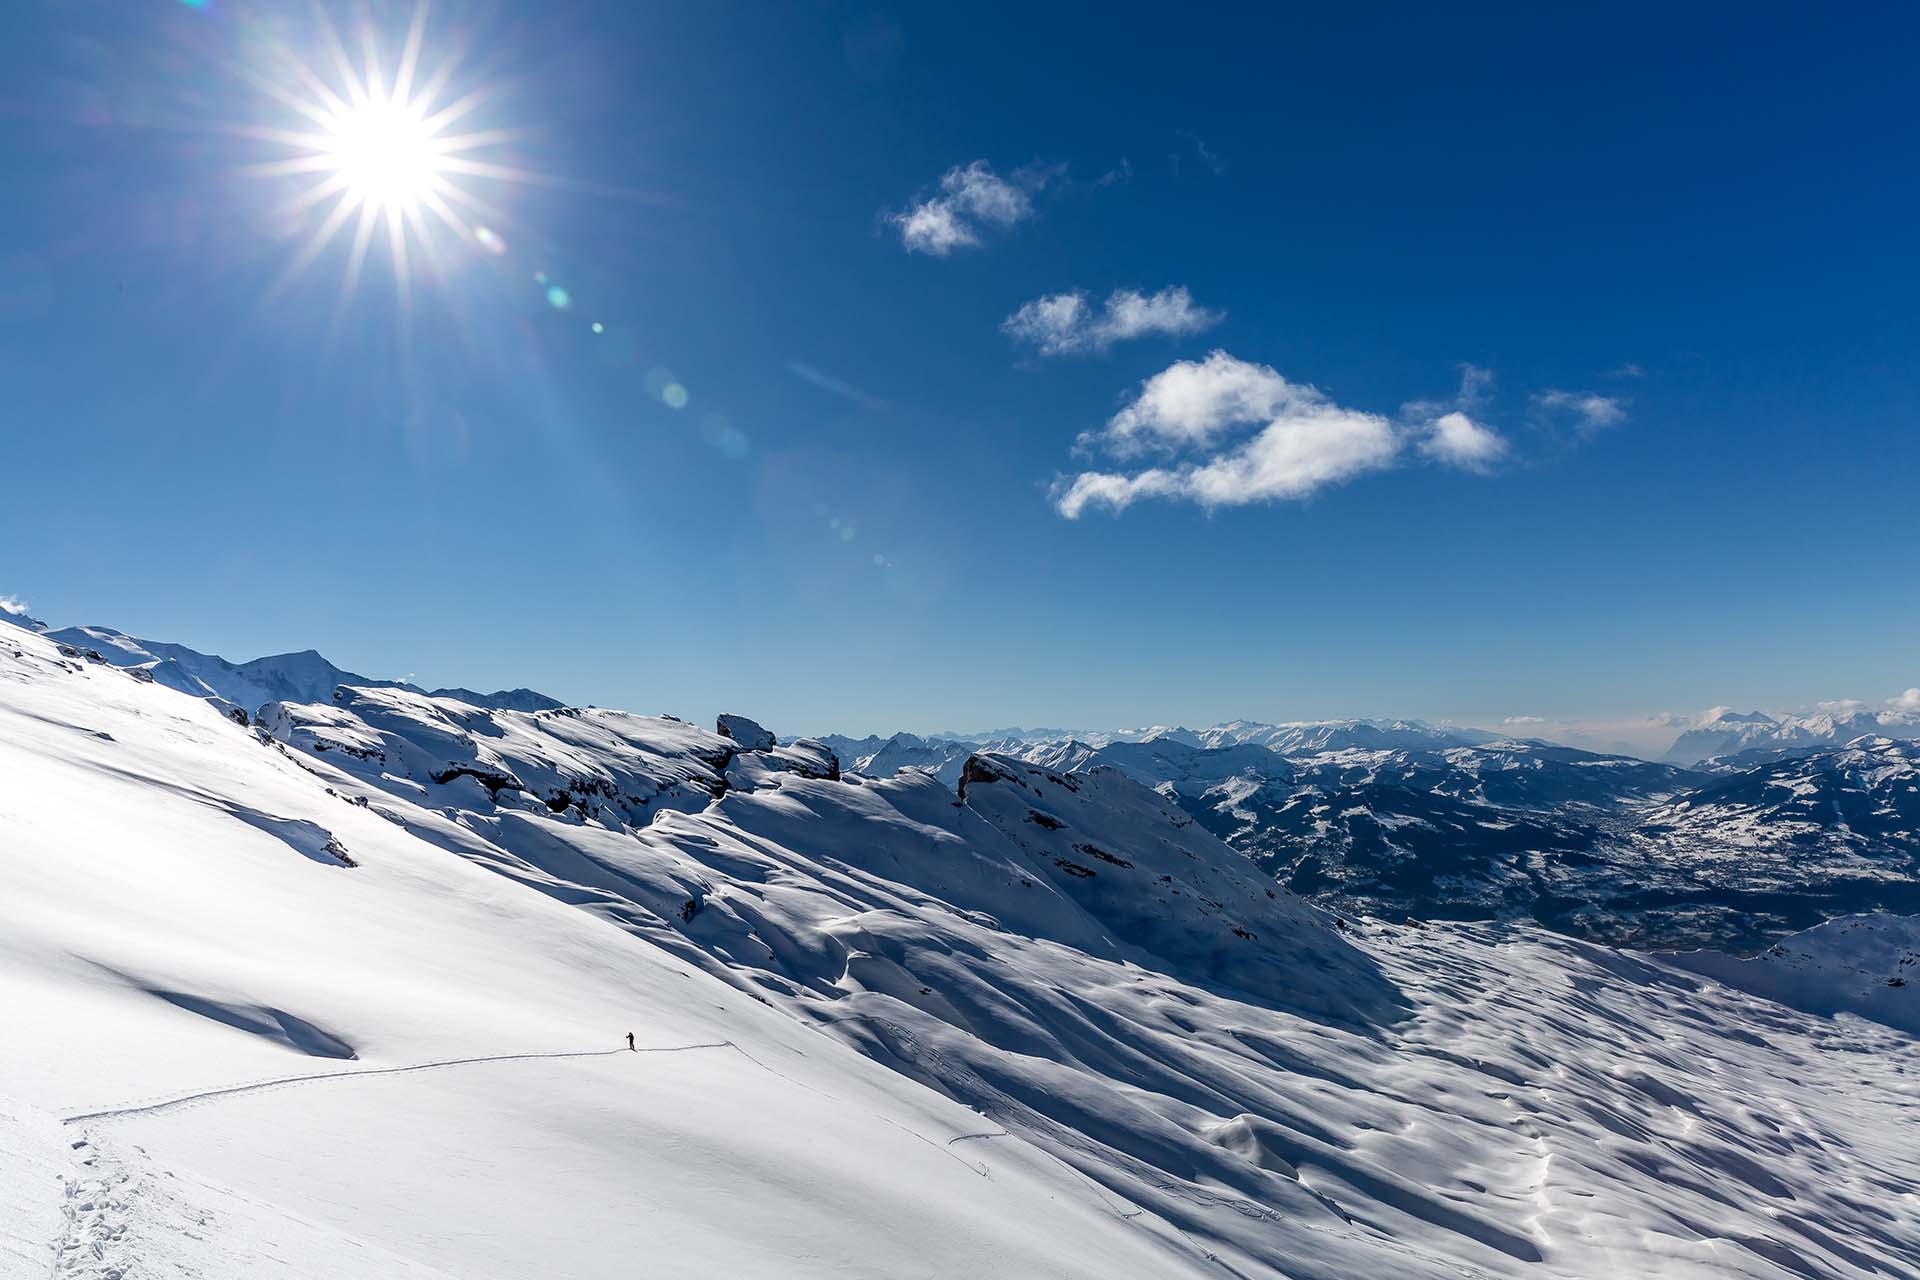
{"type": "Point", "coordinates": [344, 993]}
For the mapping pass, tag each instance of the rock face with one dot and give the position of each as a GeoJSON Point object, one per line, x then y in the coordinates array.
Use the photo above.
{"type": "Point", "coordinates": [747, 733]}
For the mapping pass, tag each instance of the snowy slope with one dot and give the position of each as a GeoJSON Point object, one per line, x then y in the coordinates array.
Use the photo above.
{"type": "Point", "coordinates": [175, 939]}
{"type": "Point", "coordinates": [1867, 965]}
{"type": "Point", "coordinates": [294, 677]}
{"type": "Point", "coordinates": [299, 991]}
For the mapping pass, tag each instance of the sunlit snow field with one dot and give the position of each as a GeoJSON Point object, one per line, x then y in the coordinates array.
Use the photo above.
{"type": "Point", "coordinates": [274, 1006]}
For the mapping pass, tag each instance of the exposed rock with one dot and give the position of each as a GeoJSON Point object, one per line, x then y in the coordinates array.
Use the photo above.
{"type": "Point", "coordinates": [748, 734]}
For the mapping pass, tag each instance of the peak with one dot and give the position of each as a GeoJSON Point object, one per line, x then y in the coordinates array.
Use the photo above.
{"type": "Point", "coordinates": [747, 733]}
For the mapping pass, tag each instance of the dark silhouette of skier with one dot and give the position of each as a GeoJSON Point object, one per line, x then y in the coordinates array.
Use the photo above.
{"type": "Point", "coordinates": [630, 1041]}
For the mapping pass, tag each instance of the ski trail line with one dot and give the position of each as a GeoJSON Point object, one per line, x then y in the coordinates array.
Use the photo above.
{"type": "Point", "coordinates": [181, 1100]}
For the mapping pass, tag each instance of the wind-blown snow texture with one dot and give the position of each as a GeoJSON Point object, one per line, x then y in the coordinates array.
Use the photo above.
{"type": "Point", "coordinates": [344, 993]}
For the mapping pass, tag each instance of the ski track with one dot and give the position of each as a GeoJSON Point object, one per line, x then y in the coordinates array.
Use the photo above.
{"type": "Point", "coordinates": [97, 1200]}
{"type": "Point", "coordinates": [168, 1104]}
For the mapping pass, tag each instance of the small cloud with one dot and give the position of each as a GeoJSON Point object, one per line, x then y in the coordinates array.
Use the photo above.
{"type": "Point", "coordinates": [1450, 433]}
{"type": "Point", "coordinates": [1627, 370]}
{"type": "Point", "coordinates": [13, 604]}
{"type": "Point", "coordinates": [1122, 172]}
{"type": "Point", "coordinates": [1908, 701]}
{"type": "Point", "coordinates": [970, 197]}
{"type": "Point", "coordinates": [1517, 720]}
{"type": "Point", "coordinates": [1228, 432]}
{"type": "Point", "coordinates": [1476, 384]}
{"type": "Point", "coordinates": [1191, 402]}
{"type": "Point", "coordinates": [1069, 323]}
{"type": "Point", "coordinates": [1840, 706]}
{"type": "Point", "coordinates": [1590, 410]}
{"type": "Point", "coordinates": [1300, 440]}
{"type": "Point", "coordinates": [1304, 440]}
{"type": "Point", "coordinates": [1459, 441]}
{"type": "Point", "coordinates": [1200, 152]}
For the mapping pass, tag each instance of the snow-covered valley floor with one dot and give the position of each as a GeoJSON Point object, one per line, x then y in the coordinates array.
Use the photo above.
{"type": "Point", "coordinates": [348, 996]}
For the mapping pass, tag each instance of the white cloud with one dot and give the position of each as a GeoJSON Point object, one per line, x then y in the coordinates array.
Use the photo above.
{"type": "Point", "coordinates": [935, 227]}
{"type": "Point", "coordinates": [1226, 432]}
{"type": "Point", "coordinates": [1306, 441]}
{"type": "Point", "coordinates": [969, 197]}
{"type": "Point", "coordinates": [1191, 403]}
{"type": "Point", "coordinates": [1840, 706]}
{"type": "Point", "coordinates": [1590, 409]}
{"type": "Point", "coordinates": [1069, 324]}
{"type": "Point", "coordinates": [1459, 441]}
{"type": "Point", "coordinates": [1627, 370]}
{"type": "Point", "coordinates": [13, 605]}
{"type": "Point", "coordinates": [1908, 701]}
{"type": "Point", "coordinates": [1524, 720]}
{"type": "Point", "coordinates": [1450, 432]}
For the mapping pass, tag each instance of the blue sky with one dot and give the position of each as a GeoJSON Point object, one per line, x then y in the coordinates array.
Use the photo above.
{"type": "Point", "coordinates": [1653, 273]}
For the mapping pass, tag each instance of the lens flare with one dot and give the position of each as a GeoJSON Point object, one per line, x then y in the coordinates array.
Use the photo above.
{"type": "Point", "coordinates": [380, 141]}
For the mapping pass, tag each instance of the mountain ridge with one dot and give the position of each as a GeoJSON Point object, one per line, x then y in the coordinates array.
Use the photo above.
{"type": "Point", "coordinates": [303, 675]}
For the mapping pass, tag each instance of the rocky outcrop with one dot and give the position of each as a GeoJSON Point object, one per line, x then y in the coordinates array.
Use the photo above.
{"type": "Point", "coordinates": [747, 733]}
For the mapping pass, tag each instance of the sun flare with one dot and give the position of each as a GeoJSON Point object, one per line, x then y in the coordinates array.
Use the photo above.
{"type": "Point", "coordinates": [384, 154]}
{"type": "Point", "coordinates": [379, 142]}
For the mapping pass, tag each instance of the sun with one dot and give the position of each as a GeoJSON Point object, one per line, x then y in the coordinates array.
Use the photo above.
{"type": "Point", "coordinates": [386, 152]}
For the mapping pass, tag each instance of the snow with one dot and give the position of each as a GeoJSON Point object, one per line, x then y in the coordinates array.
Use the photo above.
{"type": "Point", "coordinates": [1729, 733]}
{"type": "Point", "coordinates": [1043, 1025]}
{"type": "Point", "coordinates": [750, 735]}
{"type": "Point", "coordinates": [297, 677]}
{"type": "Point", "coordinates": [773, 1151]}
{"type": "Point", "coordinates": [1864, 965]}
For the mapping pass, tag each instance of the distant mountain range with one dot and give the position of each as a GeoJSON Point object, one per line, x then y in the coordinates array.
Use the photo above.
{"type": "Point", "coordinates": [1735, 733]}
{"type": "Point", "coordinates": [1409, 820]}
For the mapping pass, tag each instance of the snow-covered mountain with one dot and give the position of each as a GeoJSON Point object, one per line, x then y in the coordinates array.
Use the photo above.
{"type": "Point", "coordinates": [1865, 964]}
{"type": "Point", "coordinates": [246, 686]}
{"type": "Point", "coordinates": [1732, 733]}
{"type": "Point", "coordinates": [1460, 832]}
{"type": "Point", "coordinates": [1313, 736]}
{"type": "Point", "coordinates": [1604, 847]}
{"type": "Point", "coordinates": [883, 757]}
{"type": "Point", "coordinates": [1861, 799]}
{"type": "Point", "coordinates": [944, 756]}
{"type": "Point", "coordinates": [344, 994]}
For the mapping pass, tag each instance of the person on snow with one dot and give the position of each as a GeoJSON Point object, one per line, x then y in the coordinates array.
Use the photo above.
{"type": "Point", "coordinates": [630, 1041]}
